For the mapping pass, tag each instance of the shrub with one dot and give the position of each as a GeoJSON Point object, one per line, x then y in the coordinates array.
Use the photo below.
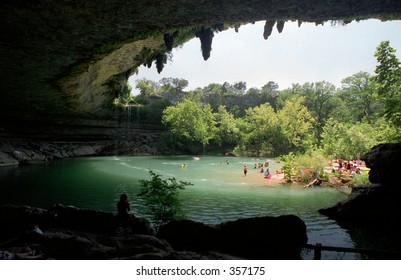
{"type": "Point", "coordinates": [161, 198]}
{"type": "Point", "coordinates": [288, 166]}
{"type": "Point", "coordinates": [360, 179]}
{"type": "Point", "coordinates": [311, 167]}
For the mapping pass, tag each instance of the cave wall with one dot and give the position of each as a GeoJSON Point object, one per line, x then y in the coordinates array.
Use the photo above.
{"type": "Point", "coordinates": [65, 60]}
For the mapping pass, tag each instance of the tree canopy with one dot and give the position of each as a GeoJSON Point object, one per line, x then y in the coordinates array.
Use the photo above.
{"type": "Point", "coordinates": [388, 82]}
{"type": "Point", "coordinates": [191, 119]}
{"type": "Point", "coordinates": [349, 120]}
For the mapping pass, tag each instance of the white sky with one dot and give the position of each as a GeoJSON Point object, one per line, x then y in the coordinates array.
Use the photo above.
{"type": "Point", "coordinates": [297, 55]}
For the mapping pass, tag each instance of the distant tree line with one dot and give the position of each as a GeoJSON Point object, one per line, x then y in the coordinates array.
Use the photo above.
{"type": "Point", "coordinates": [266, 121]}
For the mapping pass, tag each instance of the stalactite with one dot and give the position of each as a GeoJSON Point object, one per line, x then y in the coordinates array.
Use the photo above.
{"type": "Point", "coordinates": [161, 59]}
{"type": "Point", "coordinates": [268, 28]}
{"type": "Point", "coordinates": [280, 25]}
{"type": "Point", "coordinates": [299, 23]}
{"type": "Point", "coordinates": [206, 38]}
{"type": "Point", "coordinates": [169, 39]}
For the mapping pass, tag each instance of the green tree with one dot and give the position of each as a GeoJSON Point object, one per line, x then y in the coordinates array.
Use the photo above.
{"type": "Point", "coordinates": [270, 93]}
{"type": "Point", "coordinates": [227, 130]}
{"type": "Point", "coordinates": [124, 96]}
{"type": "Point", "coordinates": [205, 126]}
{"type": "Point", "coordinates": [213, 88]}
{"type": "Point", "coordinates": [146, 88]}
{"type": "Point", "coordinates": [386, 132]}
{"type": "Point", "coordinates": [191, 120]}
{"type": "Point", "coordinates": [258, 128]}
{"type": "Point", "coordinates": [239, 88]}
{"type": "Point", "coordinates": [311, 166]}
{"type": "Point", "coordinates": [288, 166]}
{"type": "Point", "coordinates": [295, 124]}
{"type": "Point", "coordinates": [388, 82]}
{"type": "Point", "coordinates": [359, 96]}
{"type": "Point", "coordinates": [161, 198]}
{"type": "Point", "coordinates": [172, 85]}
{"type": "Point", "coordinates": [346, 140]}
{"type": "Point", "coordinates": [319, 98]}
{"type": "Point", "coordinates": [332, 133]}
{"type": "Point", "coordinates": [287, 94]}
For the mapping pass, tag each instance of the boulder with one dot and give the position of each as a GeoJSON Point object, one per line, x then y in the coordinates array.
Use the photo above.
{"type": "Point", "coordinates": [277, 238]}
{"type": "Point", "coordinates": [15, 220]}
{"type": "Point", "coordinates": [384, 163]}
{"type": "Point", "coordinates": [93, 220]}
{"type": "Point", "coordinates": [84, 151]}
{"type": "Point", "coordinates": [374, 209]}
{"type": "Point", "coordinates": [253, 238]}
{"type": "Point", "coordinates": [138, 245]}
{"type": "Point", "coordinates": [369, 206]}
{"type": "Point", "coordinates": [189, 235]}
{"type": "Point", "coordinates": [67, 232]}
{"type": "Point", "coordinates": [6, 159]}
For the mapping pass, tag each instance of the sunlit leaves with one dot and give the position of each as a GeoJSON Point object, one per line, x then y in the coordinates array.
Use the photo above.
{"type": "Point", "coordinates": [295, 122]}
{"type": "Point", "coordinates": [227, 128]}
{"type": "Point", "coordinates": [388, 82]}
{"type": "Point", "coordinates": [191, 120]}
{"type": "Point", "coordinates": [258, 128]}
{"type": "Point", "coordinates": [359, 97]}
{"type": "Point", "coordinates": [346, 140]}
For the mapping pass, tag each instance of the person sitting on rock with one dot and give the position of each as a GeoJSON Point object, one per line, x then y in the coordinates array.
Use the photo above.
{"type": "Point", "coordinates": [123, 208]}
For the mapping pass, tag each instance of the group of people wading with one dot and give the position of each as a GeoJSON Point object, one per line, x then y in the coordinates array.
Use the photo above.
{"type": "Point", "coordinates": [264, 168]}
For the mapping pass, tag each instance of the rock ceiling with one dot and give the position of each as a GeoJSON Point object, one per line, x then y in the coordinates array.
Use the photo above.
{"type": "Point", "coordinates": [71, 57]}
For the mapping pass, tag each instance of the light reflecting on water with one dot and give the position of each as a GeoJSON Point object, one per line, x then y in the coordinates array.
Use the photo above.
{"type": "Point", "coordinates": [220, 192]}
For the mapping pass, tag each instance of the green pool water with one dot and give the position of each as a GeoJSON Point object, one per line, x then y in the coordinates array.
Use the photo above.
{"type": "Point", "coordinates": [220, 191]}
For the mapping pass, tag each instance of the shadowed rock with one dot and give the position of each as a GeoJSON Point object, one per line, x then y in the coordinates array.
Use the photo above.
{"type": "Point", "coordinates": [254, 238]}
{"type": "Point", "coordinates": [66, 232]}
{"type": "Point", "coordinates": [264, 237]}
{"type": "Point", "coordinates": [189, 235]}
{"type": "Point", "coordinates": [374, 209]}
{"type": "Point", "coordinates": [384, 162]}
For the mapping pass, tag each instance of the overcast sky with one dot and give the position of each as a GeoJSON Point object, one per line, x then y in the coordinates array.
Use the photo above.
{"type": "Point", "coordinates": [297, 55]}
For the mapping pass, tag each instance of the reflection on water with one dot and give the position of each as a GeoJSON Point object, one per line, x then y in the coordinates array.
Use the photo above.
{"type": "Point", "coordinates": [220, 191]}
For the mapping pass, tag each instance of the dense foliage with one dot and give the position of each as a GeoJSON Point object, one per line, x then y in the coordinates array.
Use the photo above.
{"type": "Point", "coordinates": [388, 82]}
{"type": "Point", "coordinates": [345, 121]}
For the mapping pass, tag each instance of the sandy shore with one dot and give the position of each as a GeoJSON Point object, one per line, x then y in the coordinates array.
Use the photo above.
{"type": "Point", "coordinates": [259, 178]}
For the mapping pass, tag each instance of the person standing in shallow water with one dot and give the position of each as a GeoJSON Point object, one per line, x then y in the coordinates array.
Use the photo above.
{"type": "Point", "coordinates": [245, 168]}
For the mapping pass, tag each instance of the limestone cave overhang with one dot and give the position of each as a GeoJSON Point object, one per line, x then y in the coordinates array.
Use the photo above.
{"type": "Point", "coordinates": [69, 59]}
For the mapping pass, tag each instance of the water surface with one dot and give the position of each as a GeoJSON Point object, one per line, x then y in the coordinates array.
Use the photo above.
{"type": "Point", "coordinates": [220, 191]}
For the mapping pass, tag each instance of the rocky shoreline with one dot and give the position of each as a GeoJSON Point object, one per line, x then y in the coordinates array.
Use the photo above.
{"type": "Point", "coordinates": [69, 233]}
{"type": "Point", "coordinates": [22, 151]}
